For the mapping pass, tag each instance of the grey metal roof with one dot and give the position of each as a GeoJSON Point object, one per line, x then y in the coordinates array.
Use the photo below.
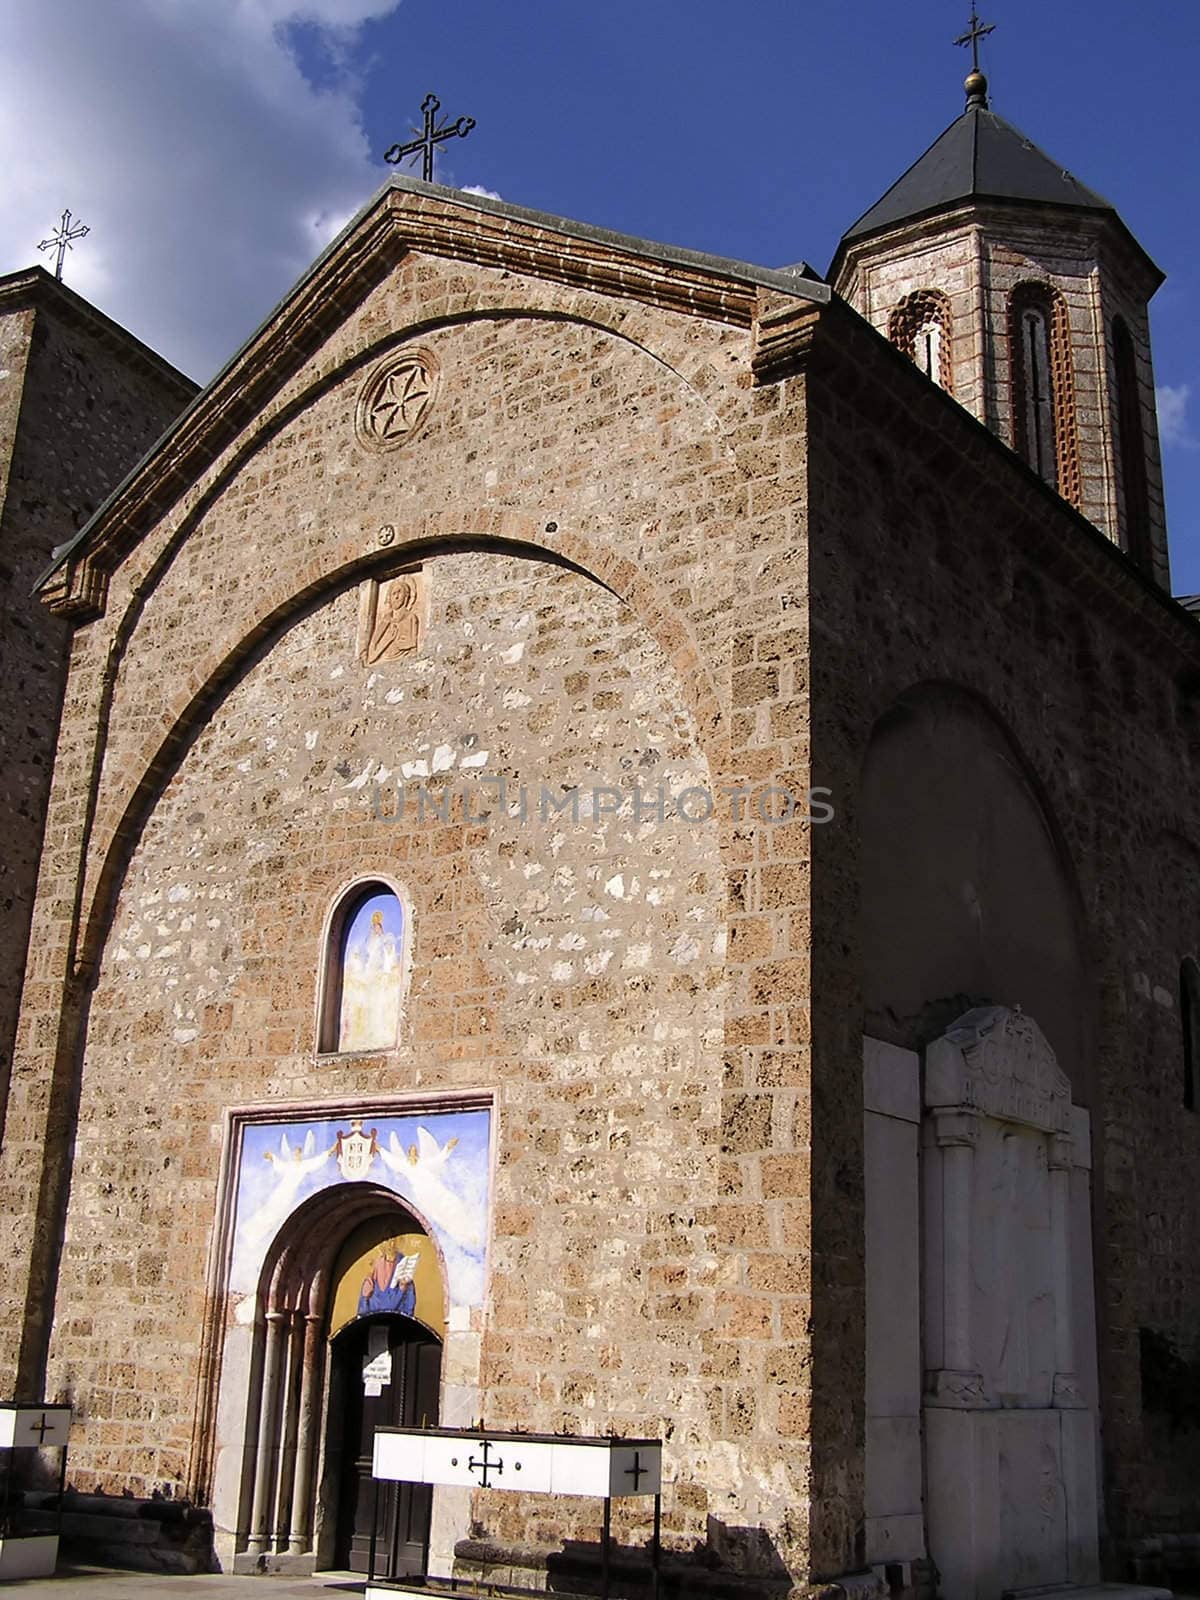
{"type": "Point", "coordinates": [979, 155]}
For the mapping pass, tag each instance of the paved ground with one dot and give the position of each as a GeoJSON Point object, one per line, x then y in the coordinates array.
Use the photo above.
{"type": "Point", "coordinates": [104, 1583]}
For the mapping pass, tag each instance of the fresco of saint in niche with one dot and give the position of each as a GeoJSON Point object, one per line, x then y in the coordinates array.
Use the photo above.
{"type": "Point", "coordinates": [390, 1286]}
{"type": "Point", "coordinates": [372, 974]}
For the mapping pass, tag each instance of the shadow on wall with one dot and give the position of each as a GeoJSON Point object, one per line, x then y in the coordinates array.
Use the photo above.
{"type": "Point", "coordinates": [968, 897]}
{"type": "Point", "coordinates": [735, 1563]}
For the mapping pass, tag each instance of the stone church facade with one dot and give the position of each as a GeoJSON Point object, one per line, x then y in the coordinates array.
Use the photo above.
{"type": "Point", "coordinates": [617, 856]}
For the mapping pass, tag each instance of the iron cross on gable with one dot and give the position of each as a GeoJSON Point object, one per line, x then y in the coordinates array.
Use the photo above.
{"type": "Point", "coordinates": [486, 1465]}
{"type": "Point", "coordinates": [974, 33]}
{"type": "Point", "coordinates": [423, 144]}
{"type": "Point", "coordinates": [63, 239]}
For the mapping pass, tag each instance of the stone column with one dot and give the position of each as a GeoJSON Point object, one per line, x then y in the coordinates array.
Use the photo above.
{"type": "Point", "coordinates": [300, 1532]}
{"type": "Point", "coordinates": [1060, 1152]}
{"type": "Point", "coordinates": [957, 1383]}
{"type": "Point", "coordinates": [289, 1428]}
{"type": "Point", "coordinates": [268, 1432]}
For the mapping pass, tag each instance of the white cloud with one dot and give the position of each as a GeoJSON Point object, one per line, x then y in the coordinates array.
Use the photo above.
{"type": "Point", "coordinates": [185, 135]}
{"type": "Point", "coordinates": [487, 194]}
{"type": "Point", "coordinates": [1173, 428]}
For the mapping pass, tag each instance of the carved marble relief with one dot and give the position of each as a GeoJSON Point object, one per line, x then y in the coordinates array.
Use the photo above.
{"type": "Point", "coordinates": [392, 618]}
{"type": "Point", "coordinates": [1010, 1461]}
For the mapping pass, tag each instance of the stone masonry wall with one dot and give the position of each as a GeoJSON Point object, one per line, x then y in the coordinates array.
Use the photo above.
{"type": "Point", "coordinates": [80, 403]}
{"type": "Point", "coordinates": [573, 966]}
{"type": "Point", "coordinates": [961, 573]}
{"type": "Point", "coordinates": [570, 425]}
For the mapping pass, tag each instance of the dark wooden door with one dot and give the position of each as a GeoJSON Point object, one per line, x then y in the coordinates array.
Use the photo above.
{"type": "Point", "coordinates": [409, 1399]}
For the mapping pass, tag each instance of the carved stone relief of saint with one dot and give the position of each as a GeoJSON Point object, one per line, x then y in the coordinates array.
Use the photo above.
{"type": "Point", "coordinates": [392, 621]}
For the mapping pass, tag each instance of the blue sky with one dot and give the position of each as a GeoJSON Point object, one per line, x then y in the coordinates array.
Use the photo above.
{"type": "Point", "coordinates": [215, 145]}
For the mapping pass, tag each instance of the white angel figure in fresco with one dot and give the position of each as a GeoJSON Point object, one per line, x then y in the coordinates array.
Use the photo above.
{"type": "Point", "coordinates": [419, 1171]}
{"type": "Point", "coordinates": [291, 1166]}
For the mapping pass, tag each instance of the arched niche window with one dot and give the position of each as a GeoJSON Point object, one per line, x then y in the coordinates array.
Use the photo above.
{"type": "Point", "coordinates": [1189, 1022]}
{"type": "Point", "coordinates": [1043, 387]}
{"type": "Point", "coordinates": [362, 987]}
{"type": "Point", "coordinates": [1132, 447]}
{"type": "Point", "coordinates": [920, 326]}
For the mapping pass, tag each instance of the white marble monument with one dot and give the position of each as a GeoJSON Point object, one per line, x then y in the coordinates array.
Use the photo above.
{"type": "Point", "coordinates": [995, 1373]}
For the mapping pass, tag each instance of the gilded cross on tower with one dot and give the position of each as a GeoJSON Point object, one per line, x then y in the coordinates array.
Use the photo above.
{"type": "Point", "coordinates": [432, 135]}
{"type": "Point", "coordinates": [67, 232]}
{"type": "Point", "coordinates": [973, 35]}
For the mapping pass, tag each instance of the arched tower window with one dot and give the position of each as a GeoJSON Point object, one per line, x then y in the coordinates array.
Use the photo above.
{"type": "Point", "coordinates": [364, 970]}
{"type": "Point", "coordinates": [1189, 1021]}
{"type": "Point", "coordinates": [920, 326]}
{"type": "Point", "coordinates": [1132, 447]}
{"type": "Point", "coordinates": [1043, 387]}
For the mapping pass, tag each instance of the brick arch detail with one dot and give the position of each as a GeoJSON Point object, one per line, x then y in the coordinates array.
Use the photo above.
{"type": "Point", "coordinates": [698, 374]}
{"type": "Point", "coordinates": [980, 696]}
{"type": "Point", "coordinates": [912, 313]}
{"type": "Point", "coordinates": [140, 777]}
{"type": "Point", "coordinates": [1046, 298]}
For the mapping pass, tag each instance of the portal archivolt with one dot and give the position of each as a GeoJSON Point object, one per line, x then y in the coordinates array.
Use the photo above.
{"type": "Point", "coordinates": [295, 1459]}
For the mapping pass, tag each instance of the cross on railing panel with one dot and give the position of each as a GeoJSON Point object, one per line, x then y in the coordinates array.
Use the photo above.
{"type": "Point", "coordinates": [22, 1427]}
{"type": "Point", "coordinates": [605, 1469]}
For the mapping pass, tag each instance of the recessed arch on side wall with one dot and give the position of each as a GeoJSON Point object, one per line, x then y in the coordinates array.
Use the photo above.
{"type": "Point", "coordinates": [969, 896]}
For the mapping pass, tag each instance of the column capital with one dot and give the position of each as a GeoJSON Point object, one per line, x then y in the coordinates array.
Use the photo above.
{"type": "Point", "coordinates": [949, 1386]}
{"type": "Point", "coordinates": [1067, 1393]}
{"type": "Point", "coordinates": [956, 1125]}
{"type": "Point", "coordinates": [1060, 1150]}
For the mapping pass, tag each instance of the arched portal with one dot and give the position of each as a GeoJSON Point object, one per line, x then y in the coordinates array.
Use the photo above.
{"type": "Point", "coordinates": [348, 1331]}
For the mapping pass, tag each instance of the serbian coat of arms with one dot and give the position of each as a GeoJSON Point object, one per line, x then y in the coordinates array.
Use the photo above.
{"type": "Point", "coordinates": [356, 1150]}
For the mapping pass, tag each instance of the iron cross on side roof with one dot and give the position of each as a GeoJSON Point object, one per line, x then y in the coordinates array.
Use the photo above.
{"type": "Point", "coordinates": [974, 33]}
{"type": "Point", "coordinates": [432, 135]}
{"type": "Point", "coordinates": [67, 233]}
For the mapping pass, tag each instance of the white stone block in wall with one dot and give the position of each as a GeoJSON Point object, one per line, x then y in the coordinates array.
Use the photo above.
{"type": "Point", "coordinates": [892, 1110]}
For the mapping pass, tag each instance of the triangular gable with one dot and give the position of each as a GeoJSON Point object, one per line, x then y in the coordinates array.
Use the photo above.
{"type": "Point", "coordinates": [406, 215]}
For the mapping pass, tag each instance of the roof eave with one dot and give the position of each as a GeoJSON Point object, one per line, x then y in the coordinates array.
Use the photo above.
{"type": "Point", "coordinates": [852, 241]}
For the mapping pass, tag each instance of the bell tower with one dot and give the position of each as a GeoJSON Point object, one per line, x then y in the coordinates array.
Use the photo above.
{"type": "Point", "coordinates": [1022, 293]}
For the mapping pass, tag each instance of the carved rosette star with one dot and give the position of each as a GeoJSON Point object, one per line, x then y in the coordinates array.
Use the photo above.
{"type": "Point", "coordinates": [402, 401]}
{"type": "Point", "coordinates": [396, 400]}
